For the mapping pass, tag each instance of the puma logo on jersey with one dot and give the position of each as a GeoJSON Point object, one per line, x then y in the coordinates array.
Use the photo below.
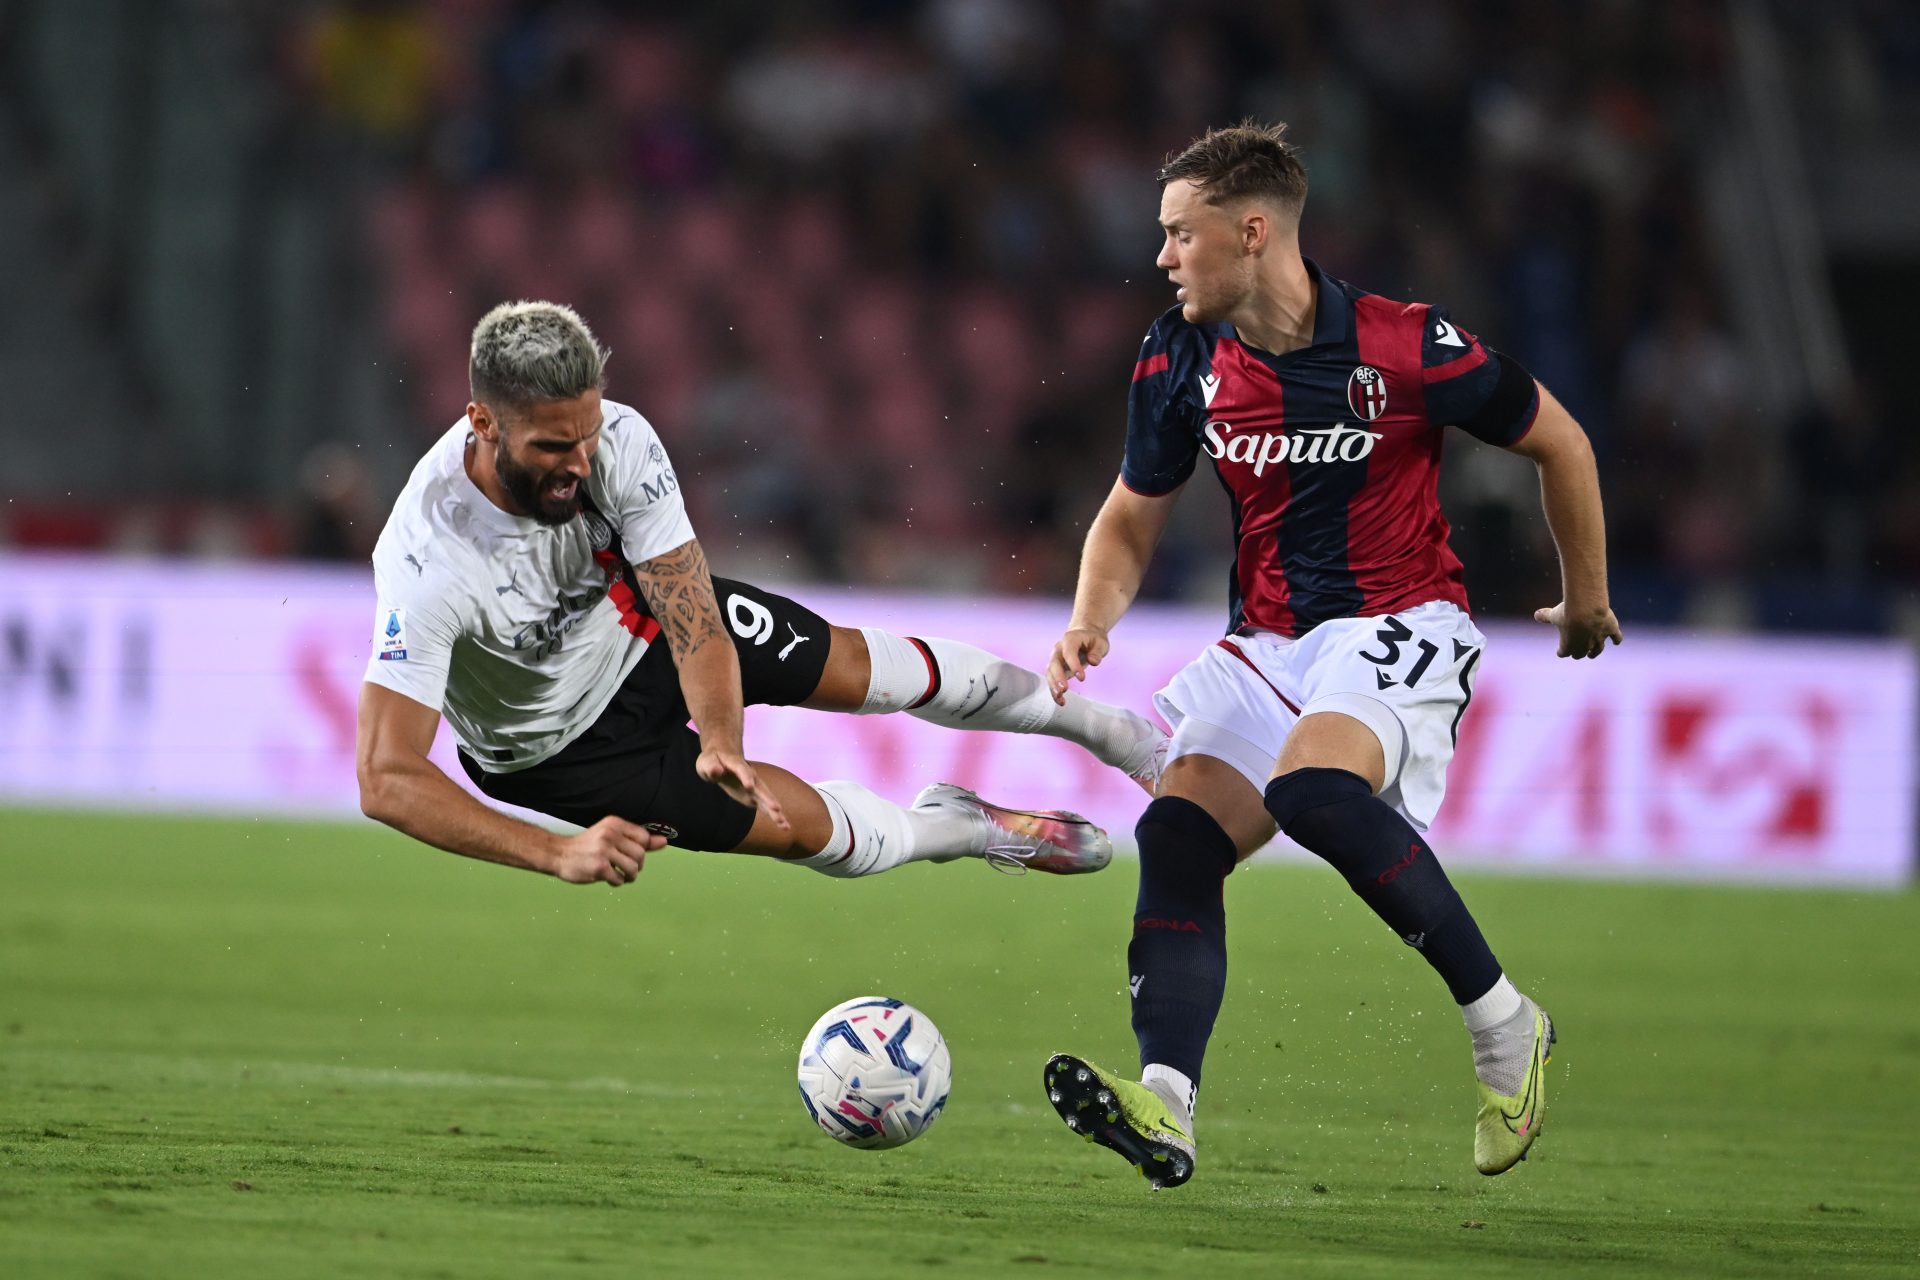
{"type": "Point", "coordinates": [418, 567]}
{"type": "Point", "coordinates": [794, 643]}
{"type": "Point", "coordinates": [1209, 387]}
{"type": "Point", "coordinates": [1446, 335]}
{"type": "Point", "coordinates": [513, 585]}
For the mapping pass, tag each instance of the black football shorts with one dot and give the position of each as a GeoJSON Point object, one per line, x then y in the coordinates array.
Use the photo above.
{"type": "Point", "coordinates": [637, 759]}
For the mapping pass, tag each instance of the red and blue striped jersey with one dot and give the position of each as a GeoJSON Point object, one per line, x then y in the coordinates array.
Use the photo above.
{"type": "Point", "coordinates": [1330, 453]}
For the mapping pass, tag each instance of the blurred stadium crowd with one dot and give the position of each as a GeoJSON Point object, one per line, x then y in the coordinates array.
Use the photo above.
{"type": "Point", "coordinates": [877, 271]}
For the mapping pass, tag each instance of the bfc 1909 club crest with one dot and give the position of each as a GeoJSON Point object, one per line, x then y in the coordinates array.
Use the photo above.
{"type": "Point", "coordinates": [1366, 393]}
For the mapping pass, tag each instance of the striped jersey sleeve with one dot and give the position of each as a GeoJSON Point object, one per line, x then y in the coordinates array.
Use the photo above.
{"type": "Point", "coordinates": [1164, 413]}
{"type": "Point", "coordinates": [1473, 387]}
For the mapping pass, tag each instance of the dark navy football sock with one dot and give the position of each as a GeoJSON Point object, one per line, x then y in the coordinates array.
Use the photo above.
{"type": "Point", "coordinates": [1334, 813]}
{"type": "Point", "coordinates": [1177, 961]}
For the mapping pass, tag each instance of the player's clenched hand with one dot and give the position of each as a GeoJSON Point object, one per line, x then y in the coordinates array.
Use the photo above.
{"type": "Point", "coordinates": [1080, 648]}
{"type": "Point", "coordinates": [612, 850]}
{"type": "Point", "coordinates": [733, 775]}
{"type": "Point", "coordinates": [1583, 635]}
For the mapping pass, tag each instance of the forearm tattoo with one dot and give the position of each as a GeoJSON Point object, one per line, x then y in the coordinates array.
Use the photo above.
{"type": "Point", "coordinates": [679, 593]}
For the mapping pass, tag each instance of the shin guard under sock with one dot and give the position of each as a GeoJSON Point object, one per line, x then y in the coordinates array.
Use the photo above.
{"type": "Point", "coordinates": [1177, 961]}
{"type": "Point", "coordinates": [1334, 814]}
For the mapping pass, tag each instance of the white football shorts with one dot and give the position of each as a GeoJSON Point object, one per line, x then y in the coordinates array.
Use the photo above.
{"type": "Point", "coordinates": [1407, 676]}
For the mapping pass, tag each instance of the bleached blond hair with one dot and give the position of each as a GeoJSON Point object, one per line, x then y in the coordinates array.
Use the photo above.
{"type": "Point", "coordinates": [526, 352]}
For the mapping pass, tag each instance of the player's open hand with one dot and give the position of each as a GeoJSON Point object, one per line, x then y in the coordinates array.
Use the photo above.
{"type": "Point", "coordinates": [1584, 635]}
{"type": "Point", "coordinates": [611, 850]}
{"type": "Point", "coordinates": [730, 772]}
{"type": "Point", "coordinates": [1080, 648]}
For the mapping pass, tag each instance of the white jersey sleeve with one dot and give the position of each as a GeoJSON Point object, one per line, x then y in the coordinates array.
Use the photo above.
{"type": "Point", "coordinates": [639, 490]}
{"type": "Point", "coordinates": [414, 629]}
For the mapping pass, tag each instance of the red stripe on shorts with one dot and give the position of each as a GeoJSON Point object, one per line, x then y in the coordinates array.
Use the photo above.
{"type": "Point", "coordinates": [1234, 649]}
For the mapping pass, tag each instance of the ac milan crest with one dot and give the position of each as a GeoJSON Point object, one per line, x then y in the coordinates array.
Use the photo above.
{"type": "Point", "coordinates": [1366, 393]}
{"type": "Point", "coordinates": [599, 531]}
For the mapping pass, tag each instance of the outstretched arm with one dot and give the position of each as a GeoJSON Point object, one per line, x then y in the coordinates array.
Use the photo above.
{"type": "Point", "coordinates": [1119, 546]}
{"type": "Point", "coordinates": [1570, 495]}
{"type": "Point", "coordinates": [679, 593]}
{"type": "Point", "coordinates": [402, 788]}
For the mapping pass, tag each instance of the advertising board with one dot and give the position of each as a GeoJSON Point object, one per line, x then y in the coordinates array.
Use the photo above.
{"type": "Point", "coordinates": [154, 685]}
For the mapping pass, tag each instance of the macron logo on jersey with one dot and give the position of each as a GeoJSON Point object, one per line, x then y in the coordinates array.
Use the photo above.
{"type": "Point", "coordinates": [1209, 387]}
{"type": "Point", "coordinates": [1446, 335]}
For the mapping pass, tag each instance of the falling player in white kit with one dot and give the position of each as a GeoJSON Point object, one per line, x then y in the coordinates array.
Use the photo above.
{"type": "Point", "coordinates": [541, 587]}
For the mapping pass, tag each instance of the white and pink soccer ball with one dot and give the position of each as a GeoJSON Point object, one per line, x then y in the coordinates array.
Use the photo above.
{"type": "Point", "coordinates": [874, 1072]}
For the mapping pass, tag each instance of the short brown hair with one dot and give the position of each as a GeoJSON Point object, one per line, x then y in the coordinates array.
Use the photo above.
{"type": "Point", "coordinates": [1246, 159]}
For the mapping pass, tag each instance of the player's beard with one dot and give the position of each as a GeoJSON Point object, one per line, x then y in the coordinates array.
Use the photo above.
{"type": "Point", "coordinates": [529, 490]}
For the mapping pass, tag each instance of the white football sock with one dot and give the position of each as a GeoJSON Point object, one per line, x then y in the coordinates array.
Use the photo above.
{"type": "Point", "coordinates": [1502, 1025]}
{"type": "Point", "coordinates": [1493, 1008]}
{"type": "Point", "coordinates": [871, 835]}
{"type": "Point", "coordinates": [901, 672]}
{"type": "Point", "coordinates": [959, 686]}
{"type": "Point", "coordinates": [1176, 1087]}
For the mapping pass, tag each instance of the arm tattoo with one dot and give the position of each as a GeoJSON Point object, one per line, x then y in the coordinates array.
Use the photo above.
{"type": "Point", "coordinates": [679, 593]}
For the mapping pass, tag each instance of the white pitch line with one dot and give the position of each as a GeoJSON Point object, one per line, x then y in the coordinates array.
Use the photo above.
{"type": "Point", "coordinates": [238, 1072]}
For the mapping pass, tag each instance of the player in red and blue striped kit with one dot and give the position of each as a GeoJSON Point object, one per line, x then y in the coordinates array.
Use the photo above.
{"type": "Point", "coordinates": [1331, 708]}
{"type": "Point", "coordinates": [1330, 453]}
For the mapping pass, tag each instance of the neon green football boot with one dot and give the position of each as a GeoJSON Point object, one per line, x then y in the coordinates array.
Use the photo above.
{"type": "Point", "coordinates": [1507, 1125]}
{"type": "Point", "coordinates": [1122, 1115]}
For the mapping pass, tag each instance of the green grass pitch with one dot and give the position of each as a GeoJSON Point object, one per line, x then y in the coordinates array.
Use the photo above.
{"type": "Point", "coordinates": [247, 1048]}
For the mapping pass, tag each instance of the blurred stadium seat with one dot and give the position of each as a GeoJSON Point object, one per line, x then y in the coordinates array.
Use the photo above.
{"type": "Point", "coordinates": [893, 234]}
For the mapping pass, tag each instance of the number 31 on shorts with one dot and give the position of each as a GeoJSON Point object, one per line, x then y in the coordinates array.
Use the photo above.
{"type": "Point", "coordinates": [1392, 635]}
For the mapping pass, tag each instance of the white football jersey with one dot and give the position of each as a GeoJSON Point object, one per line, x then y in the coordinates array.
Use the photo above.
{"type": "Point", "coordinates": [518, 632]}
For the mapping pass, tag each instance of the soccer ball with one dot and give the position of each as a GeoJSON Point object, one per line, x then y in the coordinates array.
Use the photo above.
{"type": "Point", "coordinates": [874, 1072]}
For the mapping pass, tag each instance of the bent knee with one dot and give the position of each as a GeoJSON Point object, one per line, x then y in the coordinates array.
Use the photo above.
{"type": "Point", "coordinates": [1357, 735]}
{"type": "Point", "coordinates": [1224, 793]}
{"type": "Point", "coordinates": [1298, 800]}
